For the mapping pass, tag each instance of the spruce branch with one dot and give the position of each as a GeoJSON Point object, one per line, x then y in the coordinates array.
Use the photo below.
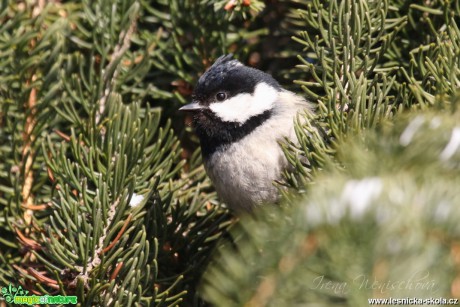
{"type": "Point", "coordinates": [110, 73]}
{"type": "Point", "coordinates": [105, 175]}
{"type": "Point", "coordinates": [439, 64]}
{"type": "Point", "coordinates": [27, 93]}
{"type": "Point", "coordinates": [356, 226]}
{"type": "Point", "coordinates": [351, 42]}
{"type": "Point", "coordinates": [95, 260]}
{"type": "Point", "coordinates": [28, 156]}
{"type": "Point", "coordinates": [345, 50]}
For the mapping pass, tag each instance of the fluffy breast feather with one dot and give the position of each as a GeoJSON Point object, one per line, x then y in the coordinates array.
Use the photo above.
{"type": "Point", "coordinates": [244, 172]}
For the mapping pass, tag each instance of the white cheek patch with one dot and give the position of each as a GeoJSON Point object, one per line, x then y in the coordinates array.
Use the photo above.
{"type": "Point", "coordinates": [244, 106]}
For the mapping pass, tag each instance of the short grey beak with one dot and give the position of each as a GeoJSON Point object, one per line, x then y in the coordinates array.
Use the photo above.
{"type": "Point", "coordinates": [194, 106]}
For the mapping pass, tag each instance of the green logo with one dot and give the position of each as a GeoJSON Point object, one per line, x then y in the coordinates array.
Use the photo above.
{"type": "Point", "coordinates": [17, 295]}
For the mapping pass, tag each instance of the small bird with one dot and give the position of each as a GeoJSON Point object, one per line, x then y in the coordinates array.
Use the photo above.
{"type": "Point", "coordinates": [240, 114]}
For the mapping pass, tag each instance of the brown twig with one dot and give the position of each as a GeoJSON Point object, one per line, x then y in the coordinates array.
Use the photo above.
{"type": "Point", "coordinates": [62, 135]}
{"type": "Point", "coordinates": [50, 174]}
{"type": "Point", "coordinates": [116, 271]}
{"type": "Point", "coordinates": [42, 278]}
{"type": "Point", "coordinates": [26, 241]}
{"type": "Point", "coordinates": [230, 5]}
{"type": "Point", "coordinates": [36, 207]}
{"type": "Point", "coordinates": [120, 233]}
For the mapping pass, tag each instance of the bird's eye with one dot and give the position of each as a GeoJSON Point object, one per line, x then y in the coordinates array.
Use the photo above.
{"type": "Point", "coordinates": [221, 96]}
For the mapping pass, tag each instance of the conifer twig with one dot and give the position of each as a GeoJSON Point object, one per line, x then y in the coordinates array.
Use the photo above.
{"type": "Point", "coordinates": [118, 51]}
{"type": "Point", "coordinates": [96, 260]}
{"type": "Point", "coordinates": [28, 156]}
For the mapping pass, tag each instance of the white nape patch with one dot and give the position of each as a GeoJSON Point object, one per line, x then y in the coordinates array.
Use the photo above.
{"type": "Point", "coordinates": [244, 106]}
{"type": "Point", "coordinates": [135, 200]}
{"type": "Point", "coordinates": [411, 129]}
{"type": "Point", "coordinates": [234, 63]}
{"type": "Point", "coordinates": [452, 146]}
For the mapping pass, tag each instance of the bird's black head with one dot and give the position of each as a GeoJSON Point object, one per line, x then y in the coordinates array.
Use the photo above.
{"type": "Point", "coordinates": [230, 100]}
{"type": "Point", "coordinates": [230, 77]}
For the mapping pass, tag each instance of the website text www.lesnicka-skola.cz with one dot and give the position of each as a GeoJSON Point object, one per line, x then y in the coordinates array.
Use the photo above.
{"type": "Point", "coordinates": [414, 301]}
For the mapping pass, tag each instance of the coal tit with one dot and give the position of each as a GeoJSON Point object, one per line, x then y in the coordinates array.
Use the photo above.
{"type": "Point", "coordinates": [240, 114]}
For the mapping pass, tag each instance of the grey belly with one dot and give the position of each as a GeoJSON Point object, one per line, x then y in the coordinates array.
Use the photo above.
{"type": "Point", "coordinates": [249, 182]}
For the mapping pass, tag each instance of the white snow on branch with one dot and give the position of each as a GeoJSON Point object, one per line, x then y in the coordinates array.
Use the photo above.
{"type": "Point", "coordinates": [359, 194]}
{"type": "Point", "coordinates": [136, 200]}
{"type": "Point", "coordinates": [411, 129]}
{"type": "Point", "coordinates": [452, 146]}
{"type": "Point", "coordinates": [356, 199]}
